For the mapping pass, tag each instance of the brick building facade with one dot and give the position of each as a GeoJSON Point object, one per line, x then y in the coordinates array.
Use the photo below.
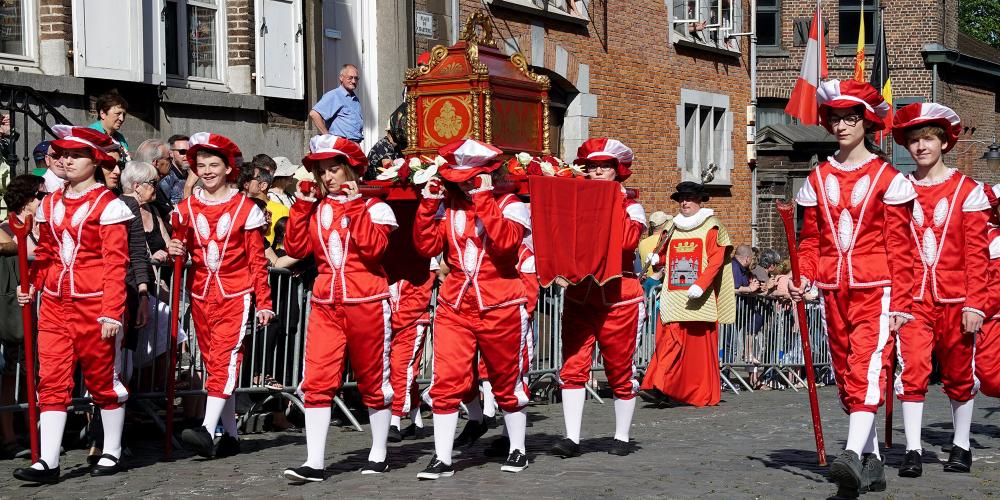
{"type": "Point", "coordinates": [930, 59]}
{"type": "Point", "coordinates": [627, 70]}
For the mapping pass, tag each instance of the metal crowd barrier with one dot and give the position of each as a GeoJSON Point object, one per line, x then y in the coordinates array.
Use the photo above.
{"type": "Point", "coordinates": [764, 340]}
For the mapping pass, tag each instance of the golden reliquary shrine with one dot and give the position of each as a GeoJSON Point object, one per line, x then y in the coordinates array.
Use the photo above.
{"type": "Point", "coordinates": [473, 90]}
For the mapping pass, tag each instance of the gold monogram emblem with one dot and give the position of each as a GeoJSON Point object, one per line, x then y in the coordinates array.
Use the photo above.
{"type": "Point", "coordinates": [447, 124]}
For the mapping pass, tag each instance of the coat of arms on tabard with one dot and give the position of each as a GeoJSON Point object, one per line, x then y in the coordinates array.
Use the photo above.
{"type": "Point", "coordinates": [684, 260]}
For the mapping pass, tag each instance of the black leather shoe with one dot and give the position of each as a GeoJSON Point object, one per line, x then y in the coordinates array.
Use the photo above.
{"type": "Point", "coordinates": [620, 448]}
{"type": "Point", "coordinates": [40, 476]}
{"type": "Point", "coordinates": [872, 474]}
{"type": "Point", "coordinates": [912, 464]}
{"type": "Point", "coordinates": [412, 432]}
{"type": "Point", "coordinates": [653, 396]}
{"type": "Point", "coordinates": [394, 435]}
{"type": "Point", "coordinates": [960, 460]}
{"type": "Point", "coordinates": [846, 472]}
{"type": "Point", "coordinates": [227, 446]}
{"type": "Point", "coordinates": [471, 433]}
{"type": "Point", "coordinates": [199, 441]}
{"type": "Point", "coordinates": [566, 448]}
{"type": "Point", "coordinates": [106, 470]}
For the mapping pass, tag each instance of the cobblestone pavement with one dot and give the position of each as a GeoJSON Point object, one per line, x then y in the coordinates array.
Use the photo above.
{"type": "Point", "coordinates": [751, 446]}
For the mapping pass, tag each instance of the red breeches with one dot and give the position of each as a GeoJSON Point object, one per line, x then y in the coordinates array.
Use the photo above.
{"type": "Point", "coordinates": [220, 324]}
{"type": "Point", "coordinates": [936, 330]}
{"type": "Point", "coordinates": [988, 358]}
{"type": "Point", "coordinates": [68, 332]}
{"type": "Point", "coordinates": [860, 345]}
{"type": "Point", "coordinates": [362, 330]}
{"type": "Point", "coordinates": [615, 330]}
{"type": "Point", "coordinates": [404, 361]}
{"type": "Point", "coordinates": [503, 339]}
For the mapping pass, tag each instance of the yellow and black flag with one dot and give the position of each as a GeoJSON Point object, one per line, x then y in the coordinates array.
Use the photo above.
{"type": "Point", "coordinates": [880, 76]}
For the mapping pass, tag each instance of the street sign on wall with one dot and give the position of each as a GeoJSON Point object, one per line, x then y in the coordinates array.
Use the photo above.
{"type": "Point", "coordinates": [424, 24]}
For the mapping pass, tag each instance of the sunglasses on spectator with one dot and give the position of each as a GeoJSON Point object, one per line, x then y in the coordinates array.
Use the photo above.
{"type": "Point", "coordinates": [151, 182]}
{"type": "Point", "coordinates": [181, 151]}
{"type": "Point", "coordinates": [40, 195]}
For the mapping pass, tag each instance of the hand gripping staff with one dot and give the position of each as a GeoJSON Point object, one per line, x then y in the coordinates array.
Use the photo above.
{"type": "Point", "coordinates": [786, 210]}
{"type": "Point", "coordinates": [176, 282]}
{"type": "Point", "coordinates": [21, 231]}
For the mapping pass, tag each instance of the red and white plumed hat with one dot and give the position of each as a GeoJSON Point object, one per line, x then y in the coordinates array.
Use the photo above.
{"type": "Point", "coordinates": [467, 158]}
{"type": "Point", "coordinates": [322, 147]}
{"type": "Point", "coordinates": [920, 114]}
{"type": "Point", "coordinates": [848, 94]}
{"type": "Point", "coordinates": [205, 141]}
{"type": "Point", "coordinates": [84, 138]}
{"type": "Point", "coordinates": [607, 149]}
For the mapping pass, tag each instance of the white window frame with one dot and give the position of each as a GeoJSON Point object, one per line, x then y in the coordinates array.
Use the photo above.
{"type": "Point", "coordinates": [723, 157]}
{"type": "Point", "coordinates": [221, 46]}
{"type": "Point", "coordinates": [721, 29]}
{"type": "Point", "coordinates": [581, 12]}
{"type": "Point", "coordinates": [29, 14]}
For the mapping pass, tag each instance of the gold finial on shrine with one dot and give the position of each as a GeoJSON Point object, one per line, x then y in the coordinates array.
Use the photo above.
{"type": "Point", "coordinates": [481, 36]}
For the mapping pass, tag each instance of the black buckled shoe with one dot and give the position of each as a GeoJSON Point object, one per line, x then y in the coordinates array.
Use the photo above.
{"type": "Point", "coordinates": [620, 448]}
{"type": "Point", "coordinates": [394, 435]}
{"type": "Point", "coordinates": [960, 460]}
{"type": "Point", "coordinates": [846, 472]}
{"type": "Point", "coordinates": [303, 475]}
{"type": "Point", "coordinates": [106, 470]}
{"type": "Point", "coordinates": [227, 446]}
{"type": "Point", "coordinates": [45, 475]}
{"type": "Point", "coordinates": [199, 441]}
{"type": "Point", "coordinates": [872, 474]}
{"type": "Point", "coordinates": [566, 448]}
{"type": "Point", "coordinates": [471, 433]}
{"type": "Point", "coordinates": [912, 464]}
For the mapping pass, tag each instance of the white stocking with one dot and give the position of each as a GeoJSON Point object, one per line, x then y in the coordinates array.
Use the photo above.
{"type": "Point", "coordinates": [624, 408]}
{"type": "Point", "coordinates": [572, 402]}
{"type": "Point", "coordinates": [113, 422]}
{"type": "Point", "coordinates": [444, 435]}
{"type": "Point", "coordinates": [379, 420]}
{"type": "Point", "coordinates": [516, 424]}
{"type": "Point", "coordinates": [317, 425]}
{"type": "Point", "coordinates": [859, 431]}
{"type": "Point", "coordinates": [913, 414]}
{"type": "Point", "coordinates": [961, 414]}
{"type": "Point", "coordinates": [51, 425]}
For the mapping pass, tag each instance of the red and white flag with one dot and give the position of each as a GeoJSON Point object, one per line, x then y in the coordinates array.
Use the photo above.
{"type": "Point", "coordinates": [802, 104]}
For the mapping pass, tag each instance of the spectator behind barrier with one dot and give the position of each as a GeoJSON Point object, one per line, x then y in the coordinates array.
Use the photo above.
{"type": "Point", "coordinates": [111, 110]}
{"type": "Point", "coordinates": [338, 112]}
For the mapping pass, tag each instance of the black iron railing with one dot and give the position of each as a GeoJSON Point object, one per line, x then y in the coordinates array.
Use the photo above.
{"type": "Point", "coordinates": [31, 121]}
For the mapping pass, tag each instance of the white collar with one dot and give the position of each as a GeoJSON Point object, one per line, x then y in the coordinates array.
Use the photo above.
{"type": "Point", "coordinates": [199, 194]}
{"type": "Point", "coordinates": [932, 182]}
{"type": "Point", "coordinates": [686, 223]}
{"type": "Point", "coordinates": [75, 196]}
{"type": "Point", "coordinates": [849, 167]}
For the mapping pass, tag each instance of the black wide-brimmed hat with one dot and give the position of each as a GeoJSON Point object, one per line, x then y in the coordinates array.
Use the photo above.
{"type": "Point", "coordinates": [692, 189]}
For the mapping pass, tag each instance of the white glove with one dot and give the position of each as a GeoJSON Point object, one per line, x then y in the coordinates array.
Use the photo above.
{"type": "Point", "coordinates": [653, 259]}
{"type": "Point", "coordinates": [695, 292]}
{"type": "Point", "coordinates": [433, 190]}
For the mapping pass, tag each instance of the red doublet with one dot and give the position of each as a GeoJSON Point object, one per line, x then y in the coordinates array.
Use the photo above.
{"type": "Point", "coordinates": [608, 315]}
{"type": "Point", "coordinates": [410, 303]}
{"type": "Point", "coordinates": [988, 341]}
{"type": "Point", "coordinates": [685, 364]}
{"type": "Point", "coordinates": [949, 233]}
{"type": "Point", "coordinates": [227, 265]}
{"type": "Point", "coordinates": [350, 306]}
{"type": "Point", "coordinates": [855, 245]}
{"type": "Point", "coordinates": [481, 302]}
{"type": "Point", "coordinates": [80, 266]}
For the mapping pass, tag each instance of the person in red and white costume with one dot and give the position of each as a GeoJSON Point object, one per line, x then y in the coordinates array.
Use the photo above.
{"type": "Point", "coordinates": [988, 341]}
{"type": "Point", "coordinates": [222, 230]}
{"type": "Point", "coordinates": [411, 320]}
{"type": "Point", "coordinates": [855, 247]}
{"type": "Point", "coordinates": [80, 267]}
{"type": "Point", "coordinates": [609, 315]}
{"type": "Point", "coordinates": [951, 290]}
{"type": "Point", "coordinates": [481, 303]}
{"type": "Point", "coordinates": [347, 234]}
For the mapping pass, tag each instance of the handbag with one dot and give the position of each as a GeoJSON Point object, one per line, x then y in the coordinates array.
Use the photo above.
{"type": "Point", "coordinates": [11, 328]}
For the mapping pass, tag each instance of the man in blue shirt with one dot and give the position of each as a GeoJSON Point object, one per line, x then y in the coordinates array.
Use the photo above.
{"type": "Point", "coordinates": [338, 112]}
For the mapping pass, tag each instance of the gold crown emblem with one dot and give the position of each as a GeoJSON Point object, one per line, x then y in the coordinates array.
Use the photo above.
{"type": "Point", "coordinates": [685, 247]}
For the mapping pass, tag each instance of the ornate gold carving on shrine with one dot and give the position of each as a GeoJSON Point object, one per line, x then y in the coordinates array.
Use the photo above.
{"type": "Point", "coordinates": [484, 34]}
{"type": "Point", "coordinates": [474, 94]}
{"type": "Point", "coordinates": [444, 119]}
{"type": "Point", "coordinates": [437, 54]}
{"type": "Point", "coordinates": [447, 124]}
{"type": "Point", "coordinates": [488, 118]}
{"type": "Point", "coordinates": [522, 64]}
{"type": "Point", "coordinates": [545, 128]}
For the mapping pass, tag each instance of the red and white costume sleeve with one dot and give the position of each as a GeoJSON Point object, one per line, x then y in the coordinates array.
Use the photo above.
{"type": "Point", "coordinates": [988, 340]}
{"type": "Point", "coordinates": [350, 298]}
{"type": "Point", "coordinates": [610, 316]}
{"type": "Point", "coordinates": [228, 270]}
{"type": "Point", "coordinates": [855, 246]}
{"type": "Point", "coordinates": [948, 234]}
{"type": "Point", "coordinates": [482, 301]}
{"type": "Point", "coordinates": [80, 267]}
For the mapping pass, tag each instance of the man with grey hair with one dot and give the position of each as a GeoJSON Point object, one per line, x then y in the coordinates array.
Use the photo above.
{"type": "Point", "coordinates": [743, 279]}
{"type": "Point", "coordinates": [156, 153]}
{"type": "Point", "coordinates": [338, 112]}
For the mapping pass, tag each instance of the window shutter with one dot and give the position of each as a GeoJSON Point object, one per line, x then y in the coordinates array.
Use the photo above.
{"type": "Point", "coordinates": [153, 48]}
{"type": "Point", "coordinates": [104, 39]}
{"type": "Point", "coordinates": [901, 158]}
{"type": "Point", "coordinates": [279, 48]}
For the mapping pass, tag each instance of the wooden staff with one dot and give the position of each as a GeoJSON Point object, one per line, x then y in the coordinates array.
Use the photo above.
{"type": "Point", "coordinates": [179, 232]}
{"type": "Point", "coordinates": [786, 210]}
{"type": "Point", "coordinates": [21, 231]}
